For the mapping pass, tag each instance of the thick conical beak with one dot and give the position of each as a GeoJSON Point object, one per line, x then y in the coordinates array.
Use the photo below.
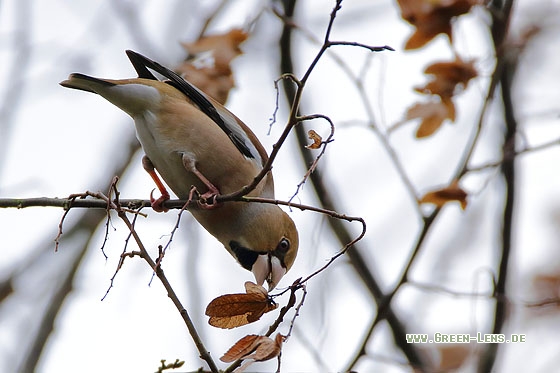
{"type": "Point", "coordinates": [268, 268]}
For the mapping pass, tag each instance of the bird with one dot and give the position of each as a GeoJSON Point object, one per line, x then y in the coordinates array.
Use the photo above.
{"type": "Point", "coordinates": [199, 148]}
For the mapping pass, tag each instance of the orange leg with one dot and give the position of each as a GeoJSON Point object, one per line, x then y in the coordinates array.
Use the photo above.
{"type": "Point", "coordinates": [156, 203]}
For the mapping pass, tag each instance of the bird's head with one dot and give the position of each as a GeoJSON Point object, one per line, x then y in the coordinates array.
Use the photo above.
{"type": "Point", "coordinates": [267, 246]}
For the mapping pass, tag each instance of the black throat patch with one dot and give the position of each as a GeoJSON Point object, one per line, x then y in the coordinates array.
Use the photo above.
{"type": "Point", "coordinates": [244, 256]}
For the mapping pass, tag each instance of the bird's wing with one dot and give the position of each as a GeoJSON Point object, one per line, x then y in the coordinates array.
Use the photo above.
{"type": "Point", "coordinates": [221, 116]}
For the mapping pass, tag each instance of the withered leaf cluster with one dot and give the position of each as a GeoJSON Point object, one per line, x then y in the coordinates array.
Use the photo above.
{"type": "Point", "coordinates": [446, 78]}
{"type": "Point", "coordinates": [234, 310]}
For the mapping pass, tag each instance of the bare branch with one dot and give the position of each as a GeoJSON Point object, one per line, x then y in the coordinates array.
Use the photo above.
{"type": "Point", "coordinates": [324, 144]}
{"type": "Point", "coordinates": [204, 354]}
{"type": "Point", "coordinates": [512, 155]}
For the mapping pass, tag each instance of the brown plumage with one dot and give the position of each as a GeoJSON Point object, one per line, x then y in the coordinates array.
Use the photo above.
{"type": "Point", "coordinates": [190, 139]}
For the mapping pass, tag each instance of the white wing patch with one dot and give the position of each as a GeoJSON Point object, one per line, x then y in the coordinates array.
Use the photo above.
{"type": "Point", "coordinates": [234, 126]}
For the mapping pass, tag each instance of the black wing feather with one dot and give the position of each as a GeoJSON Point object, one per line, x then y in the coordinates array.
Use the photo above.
{"type": "Point", "coordinates": [141, 65]}
{"type": "Point", "coordinates": [137, 61]}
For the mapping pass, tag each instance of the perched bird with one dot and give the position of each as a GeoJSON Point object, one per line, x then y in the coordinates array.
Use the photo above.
{"type": "Point", "coordinates": [193, 141]}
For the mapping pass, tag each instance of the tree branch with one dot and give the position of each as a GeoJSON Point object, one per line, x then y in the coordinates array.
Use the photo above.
{"type": "Point", "coordinates": [510, 61]}
{"type": "Point", "coordinates": [204, 354]}
{"type": "Point", "coordinates": [354, 254]}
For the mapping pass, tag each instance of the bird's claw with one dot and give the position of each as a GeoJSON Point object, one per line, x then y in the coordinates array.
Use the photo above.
{"type": "Point", "coordinates": [157, 204]}
{"type": "Point", "coordinates": [208, 200]}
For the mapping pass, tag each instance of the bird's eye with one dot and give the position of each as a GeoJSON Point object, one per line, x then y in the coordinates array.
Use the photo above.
{"type": "Point", "coordinates": [284, 245]}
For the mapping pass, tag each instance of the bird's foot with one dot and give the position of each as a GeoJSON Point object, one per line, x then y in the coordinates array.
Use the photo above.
{"type": "Point", "coordinates": [208, 200]}
{"type": "Point", "coordinates": [157, 204]}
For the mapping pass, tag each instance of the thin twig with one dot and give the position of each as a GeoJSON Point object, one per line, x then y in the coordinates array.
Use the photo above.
{"type": "Point", "coordinates": [163, 250]}
{"type": "Point", "coordinates": [114, 205]}
{"type": "Point", "coordinates": [510, 156]}
{"type": "Point", "coordinates": [296, 314]}
{"type": "Point", "coordinates": [293, 118]}
{"type": "Point", "coordinates": [210, 18]}
{"type": "Point", "coordinates": [324, 144]}
{"type": "Point", "coordinates": [204, 354]}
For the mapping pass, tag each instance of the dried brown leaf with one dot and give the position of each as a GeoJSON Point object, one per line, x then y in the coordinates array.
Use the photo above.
{"type": "Point", "coordinates": [440, 87]}
{"type": "Point", "coordinates": [224, 47]}
{"type": "Point", "coordinates": [317, 140]}
{"type": "Point", "coordinates": [241, 348]}
{"type": "Point", "coordinates": [208, 65]}
{"type": "Point", "coordinates": [258, 348]}
{"type": "Point", "coordinates": [432, 115]}
{"type": "Point", "coordinates": [234, 310]}
{"type": "Point", "coordinates": [267, 348]}
{"type": "Point", "coordinates": [252, 288]}
{"type": "Point", "coordinates": [447, 77]}
{"type": "Point", "coordinates": [458, 71]}
{"type": "Point", "coordinates": [440, 197]}
{"type": "Point", "coordinates": [431, 18]}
